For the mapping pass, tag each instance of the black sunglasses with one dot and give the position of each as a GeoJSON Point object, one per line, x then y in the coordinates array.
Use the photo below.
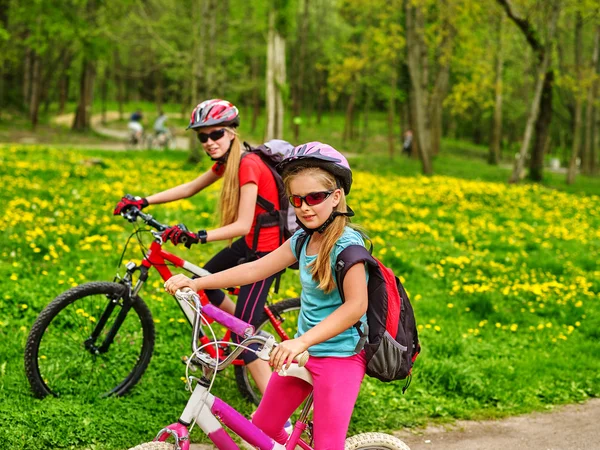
{"type": "Point", "coordinates": [312, 199]}
{"type": "Point", "coordinates": [214, 135]}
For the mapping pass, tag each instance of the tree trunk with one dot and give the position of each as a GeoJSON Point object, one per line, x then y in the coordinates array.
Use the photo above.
{"type": "Point", "coordinates": [418, 69]}
{"type": "Point", "coordinates": [299, 85]}
{"type": "Point", "coordinates": [320, 96]}
{"type": "Point", "coordinates": [437, 97]}
{"type": "Point", "coordinates": [255, 97]}
{"type": "Point", "coordinates": [119, 81]}
{"type": "Point", "coordinates": [158, 90]}
{"type": "Point", "coordinates": [537, 103]}
{"type": "Point", "coordinates": [280, 80]}
{"type": "Point", "coordinates": [392, 111]}
{"type": "Point", "coordinates": [542, 125]}
{"type": "Point", "coordinates": [36, 81]}
{"type": "Point", "coordinates": [27, 63]}
{"type": "Point", "coordinates": [63, 86]}
{"type": "Point", "coordinates": [495, 154]}
{"type": "Point", "coordinates": [275, 80]}
{"type": "Point", "coordinates": [86, 86]}
{"type": "Point", "coordinates": [348, 118]}
{"type": "Point", "coordinates": [197, 59]}
{"type": "Point", "coordinates": [542, 129]}
{"type": "Point", "coordinates": [104, 92]}
{"type": "Point", "coordinates": [588, 150]}
{"type": "Point", "coordinates": [572, 172]}
{"type": "Point", "coordinates": [367, 107]}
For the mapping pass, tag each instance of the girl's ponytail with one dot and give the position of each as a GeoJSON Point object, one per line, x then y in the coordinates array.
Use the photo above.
{"type": "Point", "coordinates": [230, 194]}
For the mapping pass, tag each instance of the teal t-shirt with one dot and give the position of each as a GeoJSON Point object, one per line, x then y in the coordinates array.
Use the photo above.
{"type": "Point", "coordinates": [316, 305]}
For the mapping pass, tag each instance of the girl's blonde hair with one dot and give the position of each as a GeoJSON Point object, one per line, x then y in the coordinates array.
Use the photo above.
{"type": "Point", "coordinates": [320, 268]}
{"type": "Point", "coordinates": [230, 193]}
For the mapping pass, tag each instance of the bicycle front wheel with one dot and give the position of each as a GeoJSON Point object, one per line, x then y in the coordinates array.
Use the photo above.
{"type": "Point", "coordinates": [91, 340]}
{"type": "Point", "coordinates": [283, 327]}
{"type": "Point", "coordinates": [374, 441]}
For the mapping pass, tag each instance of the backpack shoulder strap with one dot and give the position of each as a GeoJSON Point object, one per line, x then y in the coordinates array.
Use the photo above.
{"type": "Point", "coordinates": [300, 243]}
{"type": "Point", "coordinates": [260, 200]}
{"type": "Point", "coordinates": [348, 257]}
{"type": "Point", "coordinates": [351, 255]}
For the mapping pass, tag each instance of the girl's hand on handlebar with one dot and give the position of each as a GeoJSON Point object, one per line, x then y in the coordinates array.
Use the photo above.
{"type": "Point", "coordinates": [178, 281]}
{"type": "Point", "coordinates": [285, 352]}
{"type": "Point", "coordinates": [129, 201]}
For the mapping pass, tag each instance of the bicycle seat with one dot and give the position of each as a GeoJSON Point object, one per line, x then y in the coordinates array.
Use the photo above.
{"type": "Point", "coordinates": [298, 372]}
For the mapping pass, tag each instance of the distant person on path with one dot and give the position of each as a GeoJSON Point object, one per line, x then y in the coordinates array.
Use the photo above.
{"type": "Point", "coordinates": [407, 143]}
{"type": "Point", "coordinates": [159, 123]}
{"type": "Point", "coordinates": [244, 180]}
{"type": "Point", "coordinates": [135, 125]}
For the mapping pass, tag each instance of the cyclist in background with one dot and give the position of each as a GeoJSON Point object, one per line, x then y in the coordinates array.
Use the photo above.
{"type": "Point", "coordinates": [244, 179]}
{"type": "Point", "coordinates": [135, 125]}
{"type": "Point", "coordinates": [159, 123]}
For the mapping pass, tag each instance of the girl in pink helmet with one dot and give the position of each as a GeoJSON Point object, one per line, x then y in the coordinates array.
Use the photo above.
{"type": "Point", "coordinates": [317, 179]}
{"type": "Point", "coordinates": [245, 180]}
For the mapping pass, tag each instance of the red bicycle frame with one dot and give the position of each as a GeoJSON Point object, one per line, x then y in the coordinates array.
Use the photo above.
{"type": "Point", "coordinates": [157, 257]}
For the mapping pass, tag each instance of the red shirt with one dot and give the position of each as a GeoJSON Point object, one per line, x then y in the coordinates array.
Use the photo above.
{"type": "Point", "coordinates": [254, 170]}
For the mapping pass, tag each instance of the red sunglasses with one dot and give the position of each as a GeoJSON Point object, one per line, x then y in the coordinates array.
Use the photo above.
{"type": "Point", "coordinates": [214, 135]}
{"type": "Point", "coordinates": [312, 199]}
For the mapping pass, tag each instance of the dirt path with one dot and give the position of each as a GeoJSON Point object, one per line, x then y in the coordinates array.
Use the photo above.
{"type": "Point", "coordinates": [96, 124]}
{"type": "Point", "coordinates": [571, 427]}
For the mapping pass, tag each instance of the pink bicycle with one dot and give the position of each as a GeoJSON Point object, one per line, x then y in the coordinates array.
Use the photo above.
{"type": "Point", "coordinates": [97, 338]}
{"type": "Point", "coordinates": [208, 411]}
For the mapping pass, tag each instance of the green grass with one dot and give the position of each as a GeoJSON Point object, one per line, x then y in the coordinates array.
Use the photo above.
{"type": "Point", "coordinates": [504, 281]}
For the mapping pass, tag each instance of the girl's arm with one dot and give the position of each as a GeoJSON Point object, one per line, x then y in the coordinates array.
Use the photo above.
{"type": "Point", "coordinates": [243, 224]}
{"type": "Point", "coordinates": [184, 190]}
{"type": "Point", "coordinates": [350, 312]}
{"type": "Point", "coordinates": [240, 275]}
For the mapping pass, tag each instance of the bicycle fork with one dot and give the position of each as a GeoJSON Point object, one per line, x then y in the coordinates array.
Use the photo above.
{"type": "Point", "coordinates": [126, 305]}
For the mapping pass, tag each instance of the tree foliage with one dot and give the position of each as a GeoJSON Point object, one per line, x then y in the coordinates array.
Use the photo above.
{"type": "Point", "coordinates": [353, 55]}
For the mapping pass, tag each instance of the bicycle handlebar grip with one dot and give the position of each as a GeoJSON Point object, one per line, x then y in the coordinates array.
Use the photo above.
{"type": "Point", "coordinates": [232, 323]}
{"type": "Point", "coordinates": [302, 359]}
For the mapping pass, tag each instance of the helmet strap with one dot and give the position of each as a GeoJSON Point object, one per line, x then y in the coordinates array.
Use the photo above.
{"type": "Point", "coordinates": [328, 222]}
{"type": "Point", "coordinates": [222, 159]}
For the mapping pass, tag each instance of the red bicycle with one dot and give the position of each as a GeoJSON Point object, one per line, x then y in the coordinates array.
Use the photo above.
{"type": "Point", "coordinates": [97, 338]}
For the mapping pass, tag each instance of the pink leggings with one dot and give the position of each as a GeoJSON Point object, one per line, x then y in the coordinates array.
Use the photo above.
{"type": "Point", "coordinates": [336, 383]}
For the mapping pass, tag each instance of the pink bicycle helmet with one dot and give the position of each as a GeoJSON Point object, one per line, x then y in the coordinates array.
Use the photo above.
{"type": "Point", "coordinates": [317, 154]}
{"type": "Point", "coordinates": [214, 112]}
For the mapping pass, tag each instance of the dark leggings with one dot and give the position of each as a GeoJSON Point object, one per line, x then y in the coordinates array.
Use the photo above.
{"type": "Point", "coordinates": [252, 297]}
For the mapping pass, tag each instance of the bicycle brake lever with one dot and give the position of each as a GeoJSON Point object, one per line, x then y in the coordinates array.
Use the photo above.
{"type": "Point", "coordinates": [265, 352]}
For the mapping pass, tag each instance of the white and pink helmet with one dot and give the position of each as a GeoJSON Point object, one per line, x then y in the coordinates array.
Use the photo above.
{"type": "Point", "coordinates": [317, 154]}
{"type": "Point", "coordinates": [214, 112]}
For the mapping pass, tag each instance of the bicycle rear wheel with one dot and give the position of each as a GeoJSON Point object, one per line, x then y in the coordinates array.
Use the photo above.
{"type": "Point", "coordinates": [374, 441]}
{"type": "Point", "coordinates": [286, 315]}
{"type": "Point", "coordinates": [91, 340]}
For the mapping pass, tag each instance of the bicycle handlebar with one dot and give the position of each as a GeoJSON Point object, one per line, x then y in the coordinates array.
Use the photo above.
{"type": "Point", "coordinates": [133, 213]}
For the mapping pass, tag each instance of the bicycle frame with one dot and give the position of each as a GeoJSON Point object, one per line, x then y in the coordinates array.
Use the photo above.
{"type": "Point", "coordinates": [157, 257]}
{"type": "Point", "coordinates": [204, 408]}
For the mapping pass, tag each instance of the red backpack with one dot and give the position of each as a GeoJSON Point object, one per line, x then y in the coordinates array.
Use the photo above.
{"type": "Point", "coordinates": [390, 337]}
